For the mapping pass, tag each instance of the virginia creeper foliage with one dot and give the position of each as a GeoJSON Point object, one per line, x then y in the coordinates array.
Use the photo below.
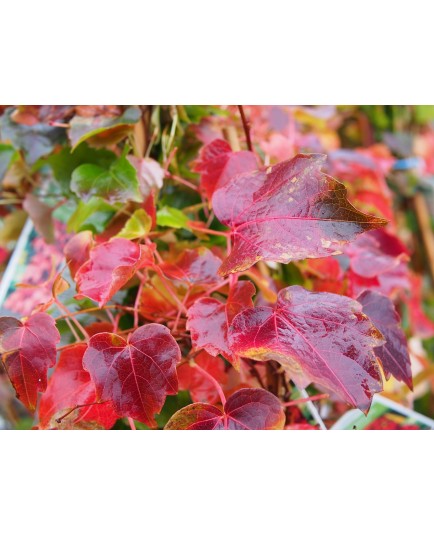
{"type": "Point", "coordinates": [200, 287]}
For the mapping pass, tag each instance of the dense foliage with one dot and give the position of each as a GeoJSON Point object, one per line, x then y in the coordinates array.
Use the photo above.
{"type": "Point", "coordinates": [200, 267]}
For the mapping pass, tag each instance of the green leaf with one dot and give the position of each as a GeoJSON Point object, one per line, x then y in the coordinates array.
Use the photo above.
{"type": "Point", "coordinates": [137, 226]}
{"type": "Point", "coordinates": [172, 217]}
{"type": "Point", "coordinates": [424, 113]}
{"type": "Point", "coordinates": [102, 130]}
{"type": "Point", "coordinates": [117, 183]}
{"type": "Point", "coordinates": [93, 215]}
{"type": "Point", "coordinates": [64, 162]}
{"type": "Point", "coordinates": [7, 154]}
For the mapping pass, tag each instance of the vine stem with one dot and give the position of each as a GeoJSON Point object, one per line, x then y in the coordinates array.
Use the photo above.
{"type": "Point", "coordinates": [60, 419]}
{"type": "Point", "coordinates": [313, 410]}
{"type": "Point", "coordinates": [211, 379]}
{"type": "Point", "coordinates": [92, 309]}
{"type": "Point", "coordinates": [136, 304]}
{"type": "Point", "coordinates": [246, 128]}
{"type": "Point", "coordinates": [217, 287]}
{"type": "Point", "coordinates": [72, 318]}
{"type": "Point", "coordinates": [182, 181]}
{"type": "Point", "coordinates": [207, 231]}
{"type": "Point", "coordinates": [166, 285]}
{"type": "Point", "coordinates": [72, 329]}
{"type": "Point", "coordinates": [304, 400]}
{"type": "Point", "coordinates": [184, 303]}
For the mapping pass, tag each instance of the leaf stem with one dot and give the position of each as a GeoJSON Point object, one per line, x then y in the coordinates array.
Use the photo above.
{"type": "Point", "coordinates": [166, 285]}
{"type": "Point", "coordinates": [211, 379]}
{"type": "Point", "coordinates": [205, 230]}
{"type": "Point", "coordinates": [60, 419]}
{"type": "Point", "coordinates": [73, 319]}
{"type": "Point", "coordinates": [131, 423]}
{"type": "Point", "coordinates": [184, 303]}
{"type": "Point", "coordinates": [182, 181]}
{"type": "Point", "coordinates": [313, 410]}
{"type": "Point", "coordinates": [304, 400]}
{"type": "Point", "coordinates": [136, 303]}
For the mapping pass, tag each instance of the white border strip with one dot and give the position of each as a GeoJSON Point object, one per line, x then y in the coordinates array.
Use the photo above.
{"type": "Point", "coordinates": [10, 271]}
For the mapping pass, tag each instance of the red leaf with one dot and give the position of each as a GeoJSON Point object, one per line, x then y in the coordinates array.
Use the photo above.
{"type": "Point", "coordinates": [194, 267]}
{"type": "Point", "coordinates": [134, 374]}
{"type": "Point", "coordinates": [201, 388]}
{"type": "Point", "coordinates": [246, 409]}
{"type": "Point", "coordinates": [77, 251]}
{"type": "Point", "coordinates": [317, 337]}
{"type": "Point", "coordinates": [393, 354]}
{"type": "Point", "coordinates": [209, 319]}
{"type": "Point", "coordinates": [99, 327]}
{"type": "Point", "coordinates": [289, 212]}
{"type": "Point", "coordinates": [110, 266]}
{"type": "Point", "coordinates": [28, 350]}
{"type": "Point", "coordinates": [327, 273]}
{"type": "Point", "coordinates": [218, 165]}
{"type": "Point", "coordinates": [386, 283]}
{"type": "Point", "coordinates": [71, 386]}
{"type": "Point", "coordinates": [375, 253]}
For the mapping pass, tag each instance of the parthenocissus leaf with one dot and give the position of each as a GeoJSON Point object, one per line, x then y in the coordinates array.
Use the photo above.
{"type": "Point", "coordinates": [194, 267]}
{"type": "Point", "coordinates": [110, 266]}
{"type": "Point", "coordinates": [28, 350]}
{"type": "Point", "coordinates": [317, 337]}
{"type": "Point", "coordinates": [393, 355]}
{"type": "Point", "coordinates": [287, 212]}
{"type": "Point", "coordinates": [117, 183]}
{"type": "Point", "coordinates": [209, 319]}
{"type": "Point", "coordinates": [100, 129]}
{"type": "Point", "coordinates": [246, 409]}
{"type": "Point", "coordinates": [70, 386]}
{"type": "Point", "coordinates": [137, 374]}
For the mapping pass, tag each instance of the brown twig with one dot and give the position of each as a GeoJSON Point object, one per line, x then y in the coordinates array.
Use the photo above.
{"type": "Point", "coordinates": [246, 127]}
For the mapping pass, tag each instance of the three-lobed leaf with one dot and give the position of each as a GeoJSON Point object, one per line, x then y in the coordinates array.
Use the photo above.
{"type": "Point", "coordinates": [117, 183]}
{"type": "Point", "coordinates": [317, 337]}
{"type": "Point", "coordinates": [137, 374]}
{"type": "Point", "coordinates": [209, 320]}
{"type": "Point", "coordinates": [109, 267]}
{"type": "Point", "coordinates": [290, 211]}
{"type": "Point", "coordinates": [28, 350]}
{"type": "Point", "coordinates": [194, 267]}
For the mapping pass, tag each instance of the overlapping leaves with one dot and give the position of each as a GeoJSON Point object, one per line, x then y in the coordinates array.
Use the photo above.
{"type": "Point", "coordinates": [247, 409]}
